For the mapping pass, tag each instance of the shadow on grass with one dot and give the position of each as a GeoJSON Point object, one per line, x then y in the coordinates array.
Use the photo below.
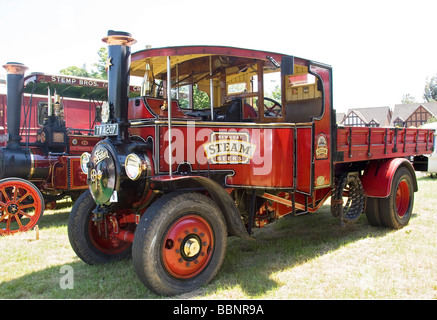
{"type": "Point", "coordinates": [56, 217]}
{"type": "Point", "coordinates": [284, 244]}
{"type": "Point", "coordinates": [248, 264]}
{"type": "Point", "coordinates": [77, 280]}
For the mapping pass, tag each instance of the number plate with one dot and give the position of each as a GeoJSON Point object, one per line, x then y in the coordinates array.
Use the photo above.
{"type": "Point", "coordinates": [106, 129]}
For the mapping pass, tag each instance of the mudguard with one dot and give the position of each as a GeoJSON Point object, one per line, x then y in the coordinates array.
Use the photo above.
{"type": "Point", "coordinates": [220, 196]}
{"type": "Point", "coordinates": [378, 176]}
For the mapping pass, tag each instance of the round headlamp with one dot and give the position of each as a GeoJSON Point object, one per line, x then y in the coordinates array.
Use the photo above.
{"type": "Point", "coordinates": [133, 166]}
{"type": "Point", "coordinates": [84, 159]}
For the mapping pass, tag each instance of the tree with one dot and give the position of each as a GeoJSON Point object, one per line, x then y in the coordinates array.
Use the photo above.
{"type": "Point", "coordinates": [100, 65]}
{"type": "Point", "coordinates": [432, 120]}
{"type": "Point", "coordinates": [99, 73]}
{"type": "Point", "coordinates": [76, 71]}
{"type": "Point", "coordinates": [200, 99]}
{"type": "Point", "coordinates": [430, 94]}
{"type": "Point", "coordinates": [408, 98]}
{"type": "Point", "coordinates": [275, 94]}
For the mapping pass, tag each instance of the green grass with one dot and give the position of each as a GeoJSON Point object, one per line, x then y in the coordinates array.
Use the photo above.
{"type": "Point", "coordinates": [306, 257]}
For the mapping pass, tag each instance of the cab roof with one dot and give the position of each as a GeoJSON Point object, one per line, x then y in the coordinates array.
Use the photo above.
{"type": "Point", "coordinates": [229, 56]}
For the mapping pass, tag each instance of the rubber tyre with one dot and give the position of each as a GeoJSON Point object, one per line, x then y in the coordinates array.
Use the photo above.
{"type": "Point", "coordinates": [397, 208]}
{"type": "Point", "coordinates": [80, 234]}
{"type": "Point", "coordinates": [373, 214]}
{"type": "Point", "coordinates": [152, 236]}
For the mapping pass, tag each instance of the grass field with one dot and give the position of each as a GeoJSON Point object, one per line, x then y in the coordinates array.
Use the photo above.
{"type": "Point", "coordinates": [305, 257]}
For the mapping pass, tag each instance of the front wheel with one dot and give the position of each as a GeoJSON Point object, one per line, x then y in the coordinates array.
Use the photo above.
{"type": "Point", "coordinates": [91, 240]}
{"type": "Point", "coordinates": [180, 243]}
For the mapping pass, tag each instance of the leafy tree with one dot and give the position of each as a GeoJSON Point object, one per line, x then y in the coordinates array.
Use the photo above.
{"type": "Point", "coordinates": [99, 73]}
{"type": "Point", "coordinates": [200, 99]}
{"type": "Point", "coordinates": [408, 98]}
{"type": "Point", "coordinates": [275, 94]}
{"type": "Point", "coordinates": [100, 65]}
{"type": "Point", "coordinates": [430, 94]}
{"type": "Point", "coordinates": [432, 120]}
{"type": "Point", "coordinates": [76, 71]}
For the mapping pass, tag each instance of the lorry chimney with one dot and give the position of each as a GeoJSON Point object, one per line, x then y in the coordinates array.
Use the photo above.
{"type": "Point", "coordinates": [15, 85]}
{"type": "Point", "coordinates": [118, 65]}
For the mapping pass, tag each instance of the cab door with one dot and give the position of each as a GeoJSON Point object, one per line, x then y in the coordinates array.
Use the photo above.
{"type": "Point", "coordinates": [304, 159]}
{"type": "Point", "coordinates": [323, 138]}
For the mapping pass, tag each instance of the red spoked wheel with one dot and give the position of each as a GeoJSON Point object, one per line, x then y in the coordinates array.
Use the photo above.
{"type": "Point", "coordinates": [21, 205]}
{"type": "Point", "coordinates": [187, 246]}
{"type": "Point", "coordinates": [180, 243]}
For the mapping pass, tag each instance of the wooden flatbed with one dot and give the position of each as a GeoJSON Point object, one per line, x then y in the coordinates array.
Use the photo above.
{"type": "Point", "coordinates": [367, 143]}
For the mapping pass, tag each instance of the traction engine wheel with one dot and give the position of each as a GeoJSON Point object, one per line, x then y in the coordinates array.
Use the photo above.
{"type": "Point", "coordinates": [180, 243]}
{"type": "Point", "coordinates": [347, 201]}
{"type": "Point", "coordinates": [397, 208]}
{"type": "Point", "coordinates": [21, 205]}
{"type": "Point", "coordinates": [91, 240]}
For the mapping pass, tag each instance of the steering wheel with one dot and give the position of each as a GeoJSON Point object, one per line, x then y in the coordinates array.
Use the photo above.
{"type": "Point", "coordinates": [272, 108]}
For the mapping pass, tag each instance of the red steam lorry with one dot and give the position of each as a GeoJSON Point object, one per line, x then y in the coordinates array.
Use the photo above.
{"type": "Point", "coordinates": [168, 185]}
{"type": "Point", "coordinates": [46, 124]}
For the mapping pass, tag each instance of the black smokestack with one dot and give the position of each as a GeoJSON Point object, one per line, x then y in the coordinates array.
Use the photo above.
{"type": "Point", "coordinates": [118, 65]}
{"type": "Point", "coordinates": [15, 85]}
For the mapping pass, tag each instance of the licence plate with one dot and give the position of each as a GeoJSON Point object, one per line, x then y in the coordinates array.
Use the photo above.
{"type": "Point", "coordinates": [110, 129]}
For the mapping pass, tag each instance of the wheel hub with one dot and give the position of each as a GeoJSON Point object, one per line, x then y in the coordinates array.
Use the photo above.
{"type": "Point", "coordinates": [191, 247]}
{"type": "Point", "coordinates": [187, 247]}
{"type": "Point", "coordinates": [402, 199]}
{"type": "Point", "coordinates": [12, 208]}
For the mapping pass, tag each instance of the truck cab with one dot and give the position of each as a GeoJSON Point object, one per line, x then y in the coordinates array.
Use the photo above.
{"type": "Point", "coordinates": [231, 88]}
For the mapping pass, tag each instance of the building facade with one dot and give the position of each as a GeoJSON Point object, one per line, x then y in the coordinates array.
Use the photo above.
{"type": "Point", "coordinates": [403, 115]}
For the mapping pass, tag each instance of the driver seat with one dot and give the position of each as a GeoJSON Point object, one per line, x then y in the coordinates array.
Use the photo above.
{"type": "Point", "coordinates": [235, 111]}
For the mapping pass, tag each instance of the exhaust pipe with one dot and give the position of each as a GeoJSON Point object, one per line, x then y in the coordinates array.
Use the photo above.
{"type": "Point", "coordinates": [118, 65]}
{"type": "Point", "coordinates": [15, 161]}
{"type": "Point", "coordinates": [15, 87]}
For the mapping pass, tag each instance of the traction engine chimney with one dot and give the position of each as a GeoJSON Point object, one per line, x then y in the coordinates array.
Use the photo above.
{"type": "Point", "coordinates": [15, 87]}
{"type": "Point", "coordinates": [118, 65]}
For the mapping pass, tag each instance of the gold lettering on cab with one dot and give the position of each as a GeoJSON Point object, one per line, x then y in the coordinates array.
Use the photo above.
{"type": "Point", "coordinates": [229, 148]}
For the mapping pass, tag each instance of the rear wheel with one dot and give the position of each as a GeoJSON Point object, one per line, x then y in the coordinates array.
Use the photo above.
{"type": "Point", "coordinates": [180, 243]}
{"type": "Point", "coordinates": [373, 214]}
{"type": "Point", "coordinates": [90, 239]}
{"type": "Point", "coordinates": [21, 205]}
{"type": "Point", "coordinates": [397, 208]}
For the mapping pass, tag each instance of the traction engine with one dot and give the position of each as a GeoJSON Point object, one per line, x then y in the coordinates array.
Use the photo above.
{"type": "Point", "coordinates": [34, 175]}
